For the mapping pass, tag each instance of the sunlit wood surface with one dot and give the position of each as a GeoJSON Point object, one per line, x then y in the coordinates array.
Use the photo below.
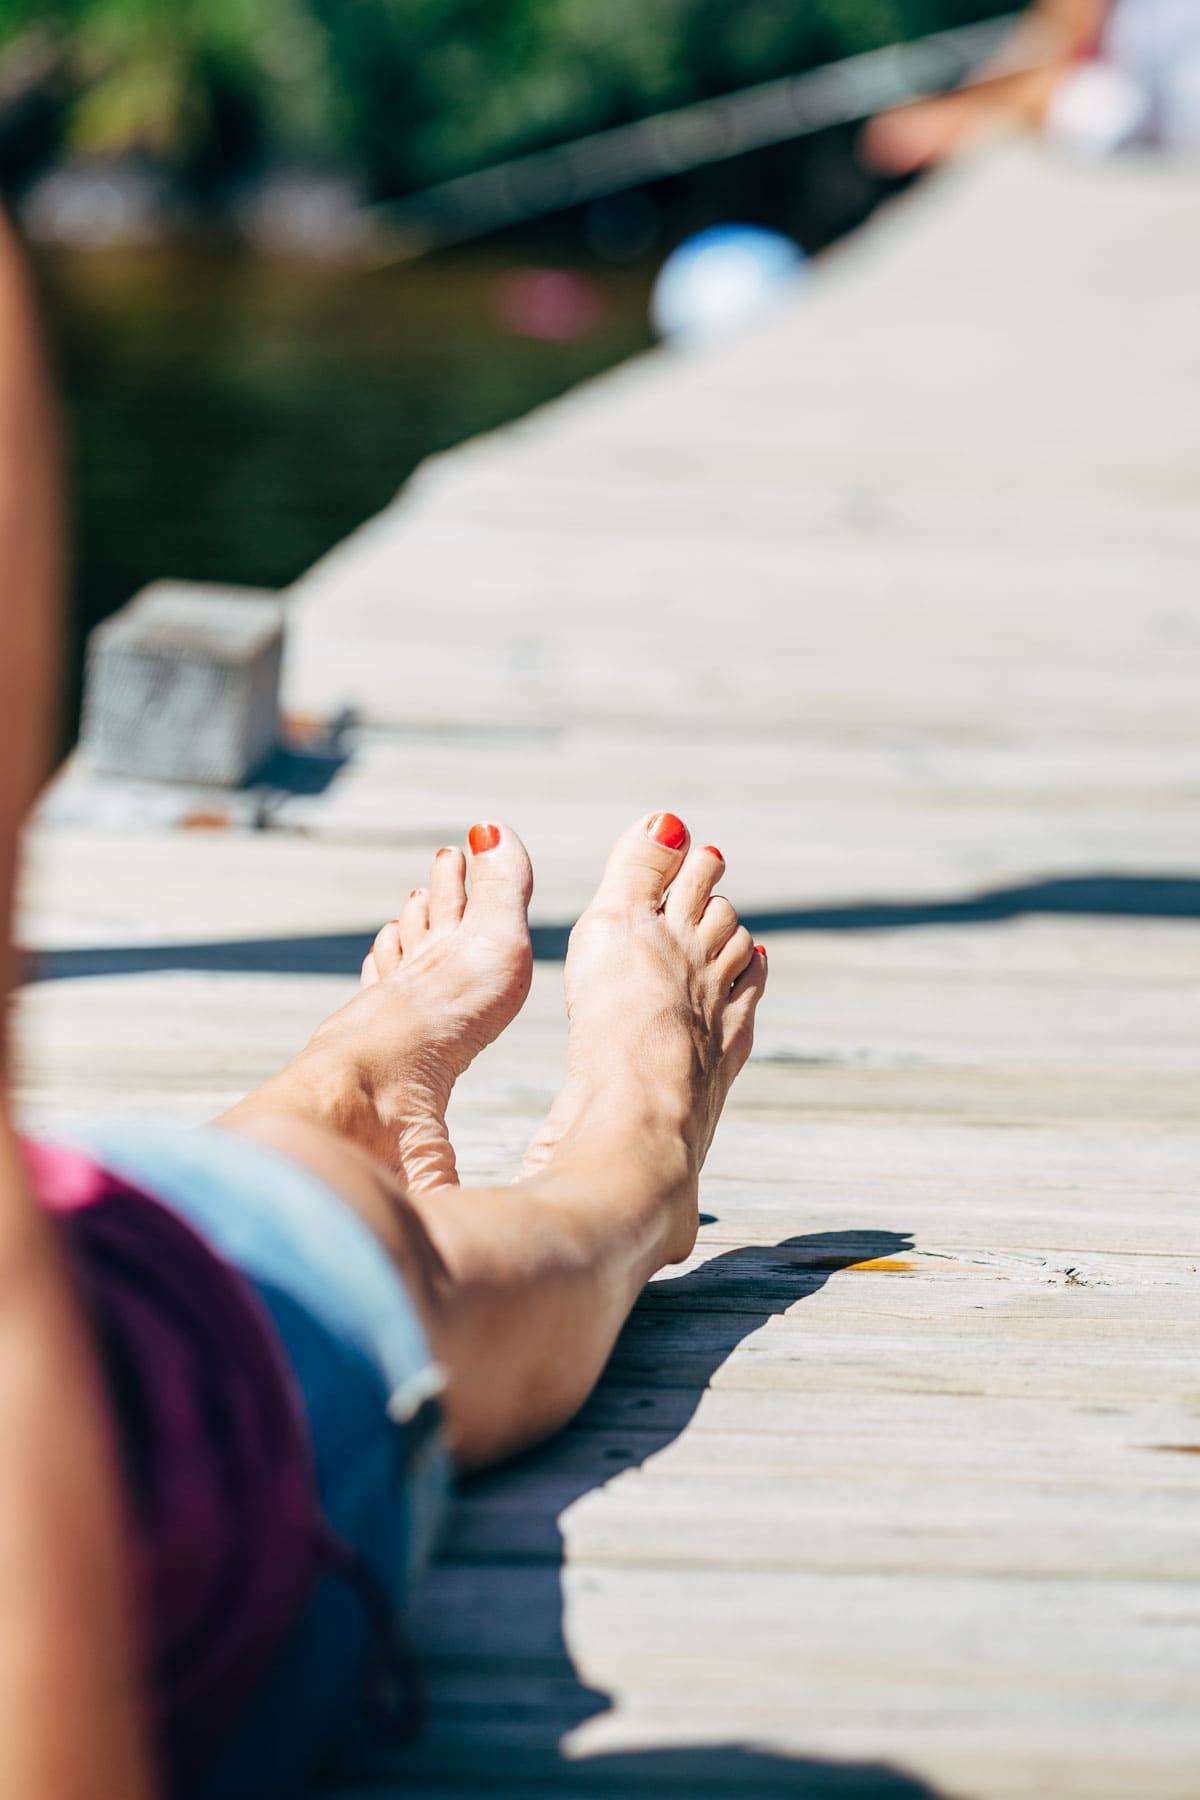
{"type": "Point", "coordinates": [895, 1490]}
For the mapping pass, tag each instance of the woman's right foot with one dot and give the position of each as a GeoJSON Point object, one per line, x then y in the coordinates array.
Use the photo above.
{"type": "Point", "coordinates": [662, 984]}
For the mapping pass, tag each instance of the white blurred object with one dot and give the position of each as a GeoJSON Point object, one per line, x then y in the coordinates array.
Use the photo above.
{"type": "Point", "coordinates": [1144, 88]}
{"type": "Point", "coordinates": [1098, 109]}
{"type": "Point", "coordinates": [303, 212]}
{"type": "Point", "coordinates": [100, 202]}
{"type": "Point", "coordinates": [1180, 116]}
{"type": "Point", "coordinates": [721, 279]}
{"type": "Point", "coordinates": [1158, 43]}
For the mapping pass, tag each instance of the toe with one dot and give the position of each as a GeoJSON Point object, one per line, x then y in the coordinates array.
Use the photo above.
{"type": "Point", "coordinates": [645, 860]}
{"type": "Point", "coordinates": [414, 921]}
{"type": "Point", "coordinates": [501, 874]}
{"type": "Point", "coordinates": [370, 974]}
{"type": "Point", "coordinates": [447, 889]}
{"type": "Point", "coordinates": [386, 951]}
{"type": "Point", "coordinates": [736, 954]}
{"type": "Point", "coordinates": [737, 1026]}
{"type": "Point", "coordinates": [717, 925]}
{"type": "Point", "coordinates": [691, 888]}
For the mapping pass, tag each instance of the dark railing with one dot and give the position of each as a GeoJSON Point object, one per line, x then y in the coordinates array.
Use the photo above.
{"type": "Point", "coordinates": [671, 143]}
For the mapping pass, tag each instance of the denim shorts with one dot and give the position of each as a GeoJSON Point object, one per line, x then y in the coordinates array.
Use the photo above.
{"type": "Point", "coordinates": [369, 1392]}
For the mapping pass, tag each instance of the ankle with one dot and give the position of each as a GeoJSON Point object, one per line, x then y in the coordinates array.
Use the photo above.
{"type": "Point", "coordinates": [636, 1117]}
{"type": "Point", "coordinates": [323, 1089]}
{"type": "Point", "coordinates": [628, 1155]}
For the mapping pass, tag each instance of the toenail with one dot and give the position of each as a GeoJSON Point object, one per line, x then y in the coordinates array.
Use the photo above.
{"type": "Point", "coordinates": [760, 949]}
{"type": "Point", "coordinates": [444, 851]}
{"type": "Point", "coordinates": [483, 837]}
{"type": "Point", "coordinates": [713, 851]}
{"type": "Point", "coordinates": [667, 830]}
{"type": "Point", "coordinates": [413, 892]}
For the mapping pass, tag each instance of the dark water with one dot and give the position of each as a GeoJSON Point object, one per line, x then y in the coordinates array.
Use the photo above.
{"type": "Point", "coordinates": [232, 416]}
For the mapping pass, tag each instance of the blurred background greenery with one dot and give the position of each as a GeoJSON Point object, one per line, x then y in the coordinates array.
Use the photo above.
{"type": "Point", "coordinates": [239, 400]}
{"type": "Point", "coordinates": [407, 92]}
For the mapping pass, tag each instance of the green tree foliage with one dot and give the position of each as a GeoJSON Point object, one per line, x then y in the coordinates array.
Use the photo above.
{"type": "Point", "coordinates": [404, 92]}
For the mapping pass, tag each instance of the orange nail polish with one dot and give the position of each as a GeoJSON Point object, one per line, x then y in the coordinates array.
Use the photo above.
{"type": "Point", "coordinates": [444, 851]}
{"type": "Point", "coordinates": [413, 892]}
{"type": "Point", "coordinates": [667, 830]}
{"type": "Point", "coordinates": [713, 851]}
{"type": "Point", "coordinates": [483, 837]}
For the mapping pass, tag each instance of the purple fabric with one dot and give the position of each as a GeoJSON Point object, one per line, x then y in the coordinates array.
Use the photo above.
{"type": "Point", "coordinates": [222, 1496]}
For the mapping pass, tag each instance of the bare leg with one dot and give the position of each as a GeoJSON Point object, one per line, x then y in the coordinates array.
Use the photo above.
{"type": "Point", "coordinates": [523, 1288]}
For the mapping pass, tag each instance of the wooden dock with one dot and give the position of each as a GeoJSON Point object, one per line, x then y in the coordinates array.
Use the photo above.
{"type": "Point", "coordinates": [895, 1489]}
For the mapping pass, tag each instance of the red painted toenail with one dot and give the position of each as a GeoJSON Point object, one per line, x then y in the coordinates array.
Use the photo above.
{"type": "Point", "coordinates": [760, 949]}
{"type": "Point", "coordinates": [667, 830]}
{"type": "Point", "coordinates": [713, 851]}
{"type": "Point", "coordinates": [483, 837]}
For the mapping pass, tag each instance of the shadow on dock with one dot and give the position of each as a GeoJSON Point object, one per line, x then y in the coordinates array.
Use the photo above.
{"type": "Point", "coordinates": [1097, 896]}
{"type": "Point", "coordinates": [511, 1518]}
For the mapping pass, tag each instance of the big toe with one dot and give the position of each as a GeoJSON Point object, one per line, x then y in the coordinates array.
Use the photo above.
{"type": "Point", "coordinates": [501, 873]}
{"type": "Point", "coordinates": [645, 860]}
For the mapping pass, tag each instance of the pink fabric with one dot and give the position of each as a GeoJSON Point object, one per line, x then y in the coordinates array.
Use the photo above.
{"type": "Point", "coordinates": [214, 1447]}
{"type": "Point", "coordinates": [63, 1180]}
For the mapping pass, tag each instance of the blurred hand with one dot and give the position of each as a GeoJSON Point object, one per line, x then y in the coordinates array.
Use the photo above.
{"type": "Point", "coordinates": [1012, 91]}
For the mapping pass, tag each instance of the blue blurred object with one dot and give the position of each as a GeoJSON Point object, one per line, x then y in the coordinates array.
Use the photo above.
{"type": "Point", "coordinates": [722, 278]}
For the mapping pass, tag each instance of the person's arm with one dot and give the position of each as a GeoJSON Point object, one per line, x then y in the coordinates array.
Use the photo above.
{"type": "Point", "coordinates": [1013, 89]}
{"type": "Point", "coordinates": [71, 1727]}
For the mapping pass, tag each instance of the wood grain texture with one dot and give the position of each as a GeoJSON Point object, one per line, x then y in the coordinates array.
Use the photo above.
{"type": "Point", "coordinates": [894, 1488]}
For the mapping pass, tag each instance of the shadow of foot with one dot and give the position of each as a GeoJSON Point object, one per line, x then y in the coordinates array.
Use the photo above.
{"type": "Point", "coordinates": [504, 1689]}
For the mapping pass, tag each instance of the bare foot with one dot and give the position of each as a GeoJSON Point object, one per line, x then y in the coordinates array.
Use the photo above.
{"type": "Point", "coordinates": [662, 984]}
{"type": "Point", "coordinates": [440, 982]}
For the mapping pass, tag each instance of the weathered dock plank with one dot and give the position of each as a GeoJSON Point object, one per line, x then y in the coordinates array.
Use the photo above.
{"type": "Point", "coordinates": [893, 1489]}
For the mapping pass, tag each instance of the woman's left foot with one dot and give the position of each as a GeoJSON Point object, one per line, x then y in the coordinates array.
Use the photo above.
{"type": "Point", "coordinates": [440, 982]}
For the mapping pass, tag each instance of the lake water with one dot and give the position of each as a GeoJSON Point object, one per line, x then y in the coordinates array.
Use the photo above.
{"type": "Point", "coordinates": [232, 416]}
